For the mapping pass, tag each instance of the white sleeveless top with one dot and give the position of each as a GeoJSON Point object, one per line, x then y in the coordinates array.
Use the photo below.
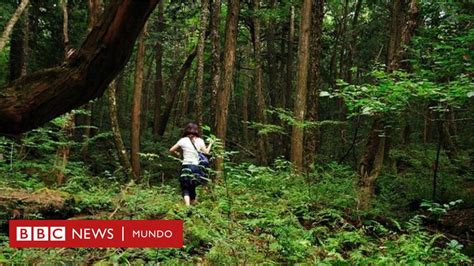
{"type": "Point", "coordinates": [190, 155]}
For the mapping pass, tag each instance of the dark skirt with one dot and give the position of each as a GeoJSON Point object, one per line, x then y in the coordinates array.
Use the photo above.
{"type": "Point", "coordinates": [191, 177]}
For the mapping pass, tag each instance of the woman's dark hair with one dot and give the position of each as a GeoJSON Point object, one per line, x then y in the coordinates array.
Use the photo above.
{"type": "Point", "coordinates": [191, 129]}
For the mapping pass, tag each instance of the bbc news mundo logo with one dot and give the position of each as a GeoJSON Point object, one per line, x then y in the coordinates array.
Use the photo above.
{"type": "Point", "coordinates": [96, 233]}
{"type": "Point", "coordinates": [40, 233]}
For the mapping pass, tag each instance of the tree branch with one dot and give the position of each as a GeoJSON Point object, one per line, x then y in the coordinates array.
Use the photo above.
{"type": "Point", "coordinates": [34, 99]}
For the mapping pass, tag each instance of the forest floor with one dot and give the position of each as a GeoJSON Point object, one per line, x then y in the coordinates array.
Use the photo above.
{"type": "Point", "coordinates": [256, 215]}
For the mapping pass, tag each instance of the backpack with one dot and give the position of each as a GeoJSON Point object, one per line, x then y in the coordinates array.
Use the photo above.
{"type": "Point", "coordinates": [203, 160]}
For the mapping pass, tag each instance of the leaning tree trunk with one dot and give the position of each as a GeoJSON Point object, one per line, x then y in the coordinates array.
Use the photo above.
{"type": "Point", "coordinates": [114, 124]}
{"type": "Point", "coordinates": [301, 86]}
{"type": "Point", "coordinates": [11, 23]}
{"type": "Point", "coordinates": [200, 62]}
{"type": "Point", "coordinates": [312, 136]}
{"type": "Point", "coordinates": [227, 77]}
{"type": "Point", "coordinates": [39, 97]}
{"type": "Point", "coordinates": [258, 83]}
{"type": "Point", "coordinates": [136, 107]}
{"type": "Point", "coordinates": [174, 92]}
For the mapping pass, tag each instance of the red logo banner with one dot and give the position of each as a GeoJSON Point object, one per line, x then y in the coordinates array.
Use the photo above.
{"type": "Point", "coordinates": [96, 233]}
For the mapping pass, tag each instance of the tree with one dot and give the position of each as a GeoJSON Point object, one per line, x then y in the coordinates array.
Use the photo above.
{"type": "Point", "coordinates": [69, 119]}
{"type": "Point", "coordinates": [41, 96]}
{"type": "Point", "coordinates": [370, 165]}
{"type": "Point", "coordinates": [227, 77]}
{"type": "Point", "coordinates": [174, 90]}
{"type": "Point", "coordinates": [353, 41]}
{"type": "Point", "coordinates": [215, 23]}
{"type": "Point", "coordinates": [258, 80]}
{"type": "Point", "coordinates": [137, 105]}
{"type": "Point", "coordinates": [19, 47]}
{"type": "Point", "coordinates": [94, 11]}
{"type": "Point", "coordinates": [114, 124]}
{"type": "Point", "coordinates": [289, 62]}
{"type": "Point", "coordinates": [11, 23]}
{"type": "Point", "coordinates": [159, 83]}
{"type": "Point", "coordinates": [301, 85]}
{"type": "Point", "coordinates": [200, 62]}
{"type": "Point", "coordinates": [312, 136]}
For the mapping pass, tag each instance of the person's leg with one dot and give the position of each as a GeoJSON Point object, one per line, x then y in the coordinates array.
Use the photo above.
{"type": "Point", "coordinates": [185, 192]}
{"type": "Point", "coordinates": [186, 195]}
{"type": "Point", "coordinates": [186, 189]}
{"type": "Point", "coordinates": [192, 194]}
{"type": "Point", "coordinates": [187, 200]}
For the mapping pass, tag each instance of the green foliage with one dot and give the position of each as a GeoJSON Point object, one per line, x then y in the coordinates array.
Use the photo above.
{"type": "Point", "coordinates": [439, 209]}
{"type": "Point", "coordinates": [258, 215]}
{"type": "Point", "coordinates": [393, 93]}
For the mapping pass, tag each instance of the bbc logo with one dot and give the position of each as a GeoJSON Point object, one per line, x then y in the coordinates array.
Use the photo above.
{"type": "Point", "coordinates": [41, 233]}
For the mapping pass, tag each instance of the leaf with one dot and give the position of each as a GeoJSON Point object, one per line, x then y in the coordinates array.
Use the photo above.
{"type": "Point", "coordinates": [367, 110]}
{"type": "Point", "coordinates": [324, 94]}
{"type": "Point", "coordinates": [470, 94]}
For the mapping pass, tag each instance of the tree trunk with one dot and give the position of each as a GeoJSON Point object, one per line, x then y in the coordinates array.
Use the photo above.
{"type": "Point", "coordinates": [215, 56]}
{"type": "Point", "coordinates": [395, 25]}
{"type": "Point", "coordinates": [447, 135]}
{"type": "Point", "coordinates": [227, 76]}
{"type": "Point", "coordinates": [11, 23]}
{"type": "Point", "coordinates": [184, 110]}
{"type": "Point", "coordinates": [159, 82]}
{"type": "Point", "coordinates": [289, 62]}
{"type": "Point", "coordinates": [19, 47]}
{"type": "Point", "coordinates": [95, 9]}
{"type": "Point", "coordinates": [174, 92]}
{"type": "Point", "coordinates": [406, 30]}
{"type": "Point", "coordinates": [333, 60]}
{"type": "Point", "coordinates": [272, 65]}
{"type": "Point", "coordinates": [407, 33]}
{"type": "Point", "coordinates": [114, 124]}
{"type": "Point", "coordinates": [427, 127]}
{"type": "Point", "coordinates": [26, 42]}
{"type": "Point", "coordinates": [378, 147]}
{"type": "Point", "coordinates": [39, 97]}
{"type": "Point", "coordinates": [312, 139]}
{"type": "Point", "coordinates": [69, 124]}
{"type": "Point", "coordinates": [371, 163]}
{"type": "Point", "coordinates": [301, 86]}
{"type": "Point", "coordinates": [353, 41]}
{"type": "Point", "coordinates": [287, 101]}
{"type": "Point", "coordinates": [200, 64]}
{"type": "Point", "coordinates": [245, 110]}
{"type": "Point", "coordinates": [342, 62]}
{"type": "Point", "coordinates": [136, 107]}
{"type": "Point", "coordinates": [258, 86]}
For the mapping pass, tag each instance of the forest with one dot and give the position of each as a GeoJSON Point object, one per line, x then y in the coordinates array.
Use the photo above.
{"type": "Point", "coordinates": [341, 131]}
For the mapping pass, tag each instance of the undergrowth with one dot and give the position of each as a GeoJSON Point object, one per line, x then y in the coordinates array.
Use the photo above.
{"type": "Point", "coordinates": [254, 215]}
